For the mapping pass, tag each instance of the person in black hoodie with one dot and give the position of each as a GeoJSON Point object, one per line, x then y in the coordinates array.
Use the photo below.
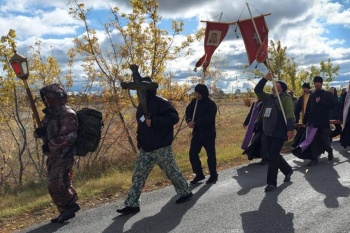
{"type": "Point", "coordinates": [155, 132]}
{"type": "Point", "coordinates": [200, 116]}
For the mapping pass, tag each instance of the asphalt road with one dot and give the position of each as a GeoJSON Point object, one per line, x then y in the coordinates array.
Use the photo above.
{"type": "Point", "coordinates": [317, 200]}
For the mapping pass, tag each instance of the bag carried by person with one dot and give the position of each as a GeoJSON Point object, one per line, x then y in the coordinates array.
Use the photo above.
{"type": "Point", "coordinates": [89, 131]}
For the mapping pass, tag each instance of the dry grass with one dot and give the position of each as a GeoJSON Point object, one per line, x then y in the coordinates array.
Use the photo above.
{"type": "Point", "coordinates": [34, 206]}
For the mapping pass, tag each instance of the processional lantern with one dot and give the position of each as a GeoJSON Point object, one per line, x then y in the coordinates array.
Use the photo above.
{"type": "Point", "coordinates": [19, 65]}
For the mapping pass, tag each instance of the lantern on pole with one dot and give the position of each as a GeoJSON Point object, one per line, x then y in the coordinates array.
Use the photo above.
{"type": "Point", "coordinates": [19, 65]}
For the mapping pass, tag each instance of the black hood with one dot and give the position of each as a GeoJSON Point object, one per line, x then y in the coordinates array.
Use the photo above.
{"type": "Point", "coordinates": [202, 89]}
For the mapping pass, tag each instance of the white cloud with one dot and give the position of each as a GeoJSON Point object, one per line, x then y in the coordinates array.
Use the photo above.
{"type": "Point", "coordinates": [305, 27]}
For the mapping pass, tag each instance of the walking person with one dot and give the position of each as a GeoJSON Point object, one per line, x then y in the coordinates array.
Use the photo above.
{"type": "Point", "coordinates": [335, 114]}
{"type": "Point", "coordinates": [276, 128]}
{"type": "Point", "coordinates": [59, 132]}
{"type": "Point", "coordinates": [299, 142]}
{"type": "Point", "coordinates": [345, 116]}
{"type": "Point", "coordinates": [155, 132]}
{"type": "Point", "coordinates": [200, 116]}
{"type": "Point", "coordinates": [300, 106]}
{"type": "Point", "coordinates": [317, 117]}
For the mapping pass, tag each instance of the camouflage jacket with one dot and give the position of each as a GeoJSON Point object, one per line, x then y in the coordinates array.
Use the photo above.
{"type": "Point", "coordinates": [61, 125]}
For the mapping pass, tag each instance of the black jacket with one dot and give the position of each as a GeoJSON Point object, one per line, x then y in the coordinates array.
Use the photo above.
{"type": "Point", "coordinates": [205, 114]}
{"type": "Point", "coordinates": [318, 113]}
{"type": "Point", "coordinates": [163, 118]}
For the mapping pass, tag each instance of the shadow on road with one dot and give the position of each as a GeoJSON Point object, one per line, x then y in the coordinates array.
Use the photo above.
{"type": "Point", "coordinates": [250, 176]}
{"type": "Point", "coordinates": [49, 227]}
{"type": "Point", "coordinates": [164, 221]}
{"type": "Point", "coordinates": [270, 217]}
{"type": "Point", "coordinates": [324, 179]}
{"type": "Point", "coordinates": [341, 150]}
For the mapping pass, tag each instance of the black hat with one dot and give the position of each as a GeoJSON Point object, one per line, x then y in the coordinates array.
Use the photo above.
{"type": "Point", "coordinates": [283, 85]}
{"type": "Point", "coordinates": [306, 85]}
{"type": "Point", "coordinates": [318, 79]}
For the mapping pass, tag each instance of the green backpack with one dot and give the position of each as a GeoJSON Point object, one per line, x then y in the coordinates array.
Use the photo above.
{"type": "Point", "coordinates": [89, 130]}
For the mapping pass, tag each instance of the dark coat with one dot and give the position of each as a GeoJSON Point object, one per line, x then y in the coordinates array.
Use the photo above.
{"type": "Point", "coordinates": [335, 111]}
{"type": "Point", "coordinates": [163, 118]}
{"type": "Point", "coordinates": [345, 134]}
{"type": "Point", "coordinates": [317, 114]}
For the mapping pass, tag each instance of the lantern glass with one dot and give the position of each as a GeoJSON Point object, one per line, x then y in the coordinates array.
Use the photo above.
{"type": "Point", "coordinates": [24, 65]}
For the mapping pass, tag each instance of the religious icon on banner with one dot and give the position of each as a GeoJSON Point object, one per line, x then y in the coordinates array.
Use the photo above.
{"type": "Point", "coordinates": [214, 37]}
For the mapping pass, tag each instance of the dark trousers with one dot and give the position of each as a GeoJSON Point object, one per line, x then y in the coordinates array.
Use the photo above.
{"type": "Point", "coordinates": [264, 154]}
{"type": "Point", "coordinates": [321, 143]}
{"type": "Point", "coordinates": [274, 146]}
{"type": "Point", "coordinates": [207, 141]}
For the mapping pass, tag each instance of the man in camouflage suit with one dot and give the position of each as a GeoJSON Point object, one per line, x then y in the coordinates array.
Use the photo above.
{"type": "Point", "coordinates": [59, 132]}
{"type": "Point", "coordinates": [155, 132]}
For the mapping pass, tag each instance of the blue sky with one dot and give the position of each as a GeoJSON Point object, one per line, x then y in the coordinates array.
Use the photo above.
{"type": "Point", "coordinates": [313, 30]}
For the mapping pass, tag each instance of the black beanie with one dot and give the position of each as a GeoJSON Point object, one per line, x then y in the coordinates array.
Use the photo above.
{"type": "Point", "coordinates": [283, 85]}
{"type": "Point", "coordinates": [306, 85]}
{"type": "Point", "coordinates": [202, 89]}
{"type": "Point", "coordinates": [152, 90]}
{"type": "Point", "coordinates": [318, 79]}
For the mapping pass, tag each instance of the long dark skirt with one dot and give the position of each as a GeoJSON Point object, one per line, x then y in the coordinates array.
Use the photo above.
{"type": "Point", "coordinates": [298, 139]}
{"type": "Point", "coordinates": [253, 150]}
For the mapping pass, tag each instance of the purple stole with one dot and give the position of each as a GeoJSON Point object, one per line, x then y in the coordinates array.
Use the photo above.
{"type": "Point", "coordinates": [310, 134]}
{"type": "Point", "coordinates": [250, 129]}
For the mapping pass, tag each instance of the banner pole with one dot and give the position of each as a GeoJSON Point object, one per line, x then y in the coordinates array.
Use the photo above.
{"type": "Point", "coordinates": [267, 65]}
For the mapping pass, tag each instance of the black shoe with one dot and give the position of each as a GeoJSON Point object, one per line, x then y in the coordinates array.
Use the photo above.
{"type": "Point", "coordinates": [212, 179]}
{"type": "Point", "coordinates": [270, 187]}
{"type": "Point", "coordinates": [197, 179]}
{"type": "Point", "coordinates": [312, 163]}
{"type": "Point", "coordinates": [296, 151]}
{"type": "Point", "coordinates": [54, 220]}
{"type": "Point", "coordinates": [129, 210]}
{"type": "Point", "coordinates": [287, 178]}
{"type": "Point", "coordinates": [67, 214]}
{"type": "Point", "coordinates": [75, 207]}
{"type": "Point", "coordinates": [330, 155]}
{"type": "Point", "coordinates": [184, 198]}
{"type": "Point", "coordinates": [264, 162]}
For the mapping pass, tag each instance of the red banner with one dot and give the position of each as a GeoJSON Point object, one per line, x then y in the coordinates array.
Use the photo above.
{"type": "Point", "coordinates": [215, 32]}
{"type": "Point", "coordinates": [256, 48]}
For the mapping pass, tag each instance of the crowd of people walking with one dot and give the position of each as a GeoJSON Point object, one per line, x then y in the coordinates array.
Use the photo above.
{"type": "Point", "coordinates": [273, 119]}
{"type": "Point", "coordinates": [323, 115]}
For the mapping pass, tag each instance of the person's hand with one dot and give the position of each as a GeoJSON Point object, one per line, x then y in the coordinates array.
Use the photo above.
{"type": "Point", "coordinates": [190, 124]}
{"type": "Point", "coordinates": [290, 135]}
{"type": "Point", "coordinates": [268, 76]}
{"type": "Point", "coordinates": [318, 99]}
{"type": "Point", "coordinates": [148, 122]}
{"type": "Point", "coordinates": [244, 126]}
{"type": "Point", "coordinates": [39, 132]}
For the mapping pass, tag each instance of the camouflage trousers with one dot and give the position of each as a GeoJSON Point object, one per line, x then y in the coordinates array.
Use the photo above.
{"type": "Point", "coordinates": [144, 164]}
{"type": "Point", "coordinates": [59, 180]}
